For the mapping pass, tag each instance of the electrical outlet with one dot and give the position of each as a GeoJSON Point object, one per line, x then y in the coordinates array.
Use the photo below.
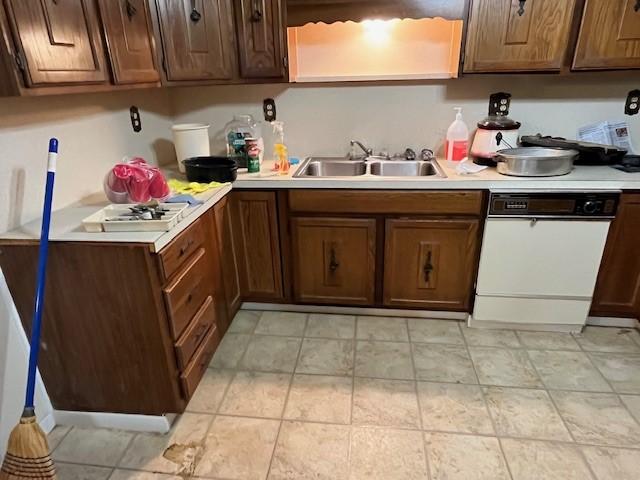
{"type": "Point", "coordinates": [499, 104]}
{"type": "Point", "coordinates": [269, 107]}
{"type": "Point", "coordinates": [632, 106]}
{"type": "Point", "coordinates": [136, 122]}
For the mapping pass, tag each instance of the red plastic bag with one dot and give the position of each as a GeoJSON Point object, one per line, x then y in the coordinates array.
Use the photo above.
{"type": "Point", "coordinates": [135, 181]}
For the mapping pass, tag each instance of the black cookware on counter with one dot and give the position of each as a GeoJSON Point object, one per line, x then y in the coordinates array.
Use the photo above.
{"type": "Point", "coordinates": [589, 153]}
{"type": "Point", "coordinates": [211, 169]}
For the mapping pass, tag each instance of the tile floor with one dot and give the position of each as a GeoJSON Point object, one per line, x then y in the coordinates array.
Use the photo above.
{"type": "Point", "coordinates": [296, 396]}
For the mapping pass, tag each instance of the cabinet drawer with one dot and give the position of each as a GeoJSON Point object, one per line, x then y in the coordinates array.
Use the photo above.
{"type": "Point", "coordinates": [192, 375]}
{"type": "Point", "coordinates": [188, 342]}
{"type": "Point", "coordinates": [186, 293]}
{"type": "Point", "coordinates": [181, 248]}
{"type": "Point", "coordinates": [434, 202]}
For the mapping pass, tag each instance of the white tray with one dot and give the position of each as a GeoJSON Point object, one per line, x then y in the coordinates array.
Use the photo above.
{"type": "Point", "coordinates": [98, 222]}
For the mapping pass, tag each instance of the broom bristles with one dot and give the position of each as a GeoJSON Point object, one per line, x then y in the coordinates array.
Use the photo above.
{"type": "Point", "coordinates": [28, 455]}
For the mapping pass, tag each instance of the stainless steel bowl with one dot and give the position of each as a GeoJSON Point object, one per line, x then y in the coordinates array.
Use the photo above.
{"type": "Point", "coordinates": [535, 161]}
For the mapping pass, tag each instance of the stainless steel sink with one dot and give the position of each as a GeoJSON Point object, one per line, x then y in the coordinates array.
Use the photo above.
{"type": "Point", "coordinates": [405, 168]}
{"type": "Point", "coordinates": [331, 167]}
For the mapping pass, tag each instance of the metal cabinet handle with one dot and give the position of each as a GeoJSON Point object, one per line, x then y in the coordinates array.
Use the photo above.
{"type": "Point", "coordinates": [333, 262]}
{"type": "Point", "coordinates": [428, 268]}
{"type": "Point", "coordinates": [256, 11]}
{"type": "Point", "coordinates": [130, 9]}
{"type": "Point", "coordinates": [195, 15]}
{"type": "Point", "coordinates": [521, 7]}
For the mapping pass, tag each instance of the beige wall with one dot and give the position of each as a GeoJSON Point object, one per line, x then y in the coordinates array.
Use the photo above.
{"type": "Point", "coordinates": [322, 119]}
{"type": "Point", "coordinates": [94, 132]}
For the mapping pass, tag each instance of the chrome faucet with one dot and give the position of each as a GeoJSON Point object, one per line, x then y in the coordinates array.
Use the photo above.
{"type": "Point", "coordinates": [368, 151]}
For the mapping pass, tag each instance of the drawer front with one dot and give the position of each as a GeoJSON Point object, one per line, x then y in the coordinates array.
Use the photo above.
{"type": "Point", "coordinates": [174, 255]}
{"type": "Point", "coordinates": [192, 337]}
{"type": "Point", "coordinates": [434, 202]}
{"type": "Point", "coordinates": [191, 376]}
{"type": "Point", "coordinates": [187, 292]}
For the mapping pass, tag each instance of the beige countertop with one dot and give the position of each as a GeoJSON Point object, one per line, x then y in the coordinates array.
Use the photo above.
{"type": "Point", "coordinates": [66, 224]}
{"type": "Point", "coordinates": [581, 178]}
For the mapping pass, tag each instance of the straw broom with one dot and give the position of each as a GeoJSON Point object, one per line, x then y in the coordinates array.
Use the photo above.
{"type": "Point", "coordinates": [28, 456]}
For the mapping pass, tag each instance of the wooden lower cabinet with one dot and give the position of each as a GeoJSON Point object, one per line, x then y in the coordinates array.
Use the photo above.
{"type": "Point", "coordinates": [228, 257]}
{"type": "Point", "coordinates": [334, 260]}
{"type": "Point", "coordinates": [617, 292]}
{"type": "Point", "coordinates": [430, 264]}
{"type": "Point", "coordinates": [256, 234]}
{"type": "Point", "coordinates": [118, 335]}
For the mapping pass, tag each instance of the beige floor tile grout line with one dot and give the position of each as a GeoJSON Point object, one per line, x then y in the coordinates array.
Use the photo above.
{"type": "Point", "coordinates": [286, 399]}
{"type": "Point", "coordinates": [486, 404]}
{"type": "Point", "coordinates": [415, 386]}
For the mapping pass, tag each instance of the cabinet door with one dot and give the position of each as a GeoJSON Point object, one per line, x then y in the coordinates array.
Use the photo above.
{"type": "Point", "coordinates": [617, 292]}
{"type": "Point", "coordinates": [228, 255]}
{"type": "Point", "coordinates": [255, 233]}
{"type": "Point", "coordinates": [197, 39]}
{"type": "Point", "coordinates": [334, 260]}
{"type": "Point", "coordinates": [503, 38]}
{"type": "Point", "coordinates": [60, 41]}
{"type": "Point", "coordinates": [609, 35]}
{"type": "Point", "coordinates": [261, 38]}
{"type": "Point", "coordinates": [430, 263]}
{"type": "Point", "coordinates": [127, 28]}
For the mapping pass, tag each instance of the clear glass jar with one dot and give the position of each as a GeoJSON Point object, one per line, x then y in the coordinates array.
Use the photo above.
{"type": "Point", "coordinates": [235, 133]}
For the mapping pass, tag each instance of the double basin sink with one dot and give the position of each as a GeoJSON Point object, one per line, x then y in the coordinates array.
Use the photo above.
{"type": "Point", "coordinates": [377, 166]}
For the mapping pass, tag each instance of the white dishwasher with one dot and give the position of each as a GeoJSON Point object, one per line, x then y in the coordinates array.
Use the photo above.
{"type": "Point", "coordinates": [540, 256]}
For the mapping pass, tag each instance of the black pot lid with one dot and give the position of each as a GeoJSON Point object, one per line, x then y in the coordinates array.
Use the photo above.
{"type": "Point", "coordinates": [498, 123]}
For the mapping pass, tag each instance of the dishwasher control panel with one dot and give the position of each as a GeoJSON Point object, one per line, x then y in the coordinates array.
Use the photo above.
{"type": "Point", "coordinates": [554, 204]}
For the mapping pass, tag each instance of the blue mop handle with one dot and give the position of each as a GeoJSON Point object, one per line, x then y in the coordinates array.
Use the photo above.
{"type": "Point", "coordinates": [42, 270]}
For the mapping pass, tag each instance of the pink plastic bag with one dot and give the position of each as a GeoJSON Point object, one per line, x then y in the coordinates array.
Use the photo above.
{"type": "Point", "coordinates": [135, 182]}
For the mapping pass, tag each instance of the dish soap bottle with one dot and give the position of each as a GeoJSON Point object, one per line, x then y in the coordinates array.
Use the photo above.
{"type": "Point", "coordinates": [457, 141]}
{"type": "Point", "coordinates": [280, 152]}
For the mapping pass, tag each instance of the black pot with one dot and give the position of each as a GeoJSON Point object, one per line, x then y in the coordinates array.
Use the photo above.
{"type": "Point", "coordinates": [211, 169]}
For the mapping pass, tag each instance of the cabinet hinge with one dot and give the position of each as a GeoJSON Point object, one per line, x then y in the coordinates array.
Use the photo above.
{"type": "Point", "coordinates": [20, 61]}
{"type": "Point", "coordinates": [285, 62]}
{"type": "Point", "coordinates": [164, 64]}
{"type": "Point", "coordinates": [461, 57]}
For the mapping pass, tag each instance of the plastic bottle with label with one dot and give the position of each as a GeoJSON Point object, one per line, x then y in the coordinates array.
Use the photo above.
{"type": "Point", "coordinates": [457, 142]}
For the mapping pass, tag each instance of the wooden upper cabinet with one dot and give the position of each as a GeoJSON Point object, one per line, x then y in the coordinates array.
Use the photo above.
{"type": "Point", "coordinates": [334, 260]}
{"type": "Point", "coordinates": [609, 35]}
{"type": "Point", "coordinates": [617, 292]}
{"type": "Point", "coordinates": [261, 38]}
{"type": "Point", "coordinates": [129, 37]}
{"type": "Point", "coordinates": [503, 38]}
{"type": "Point", "coordinates": [256, 238]}
{"type": "Point", "coordinates": [59, 40]}
{"type": "Point", "coordinates": [430, 263]}
{"type": "Point", "coordinates": [197, 39]}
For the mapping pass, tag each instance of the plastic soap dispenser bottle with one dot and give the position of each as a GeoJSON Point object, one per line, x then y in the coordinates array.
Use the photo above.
{"type": "Point", "coordinates": [457, 141]}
